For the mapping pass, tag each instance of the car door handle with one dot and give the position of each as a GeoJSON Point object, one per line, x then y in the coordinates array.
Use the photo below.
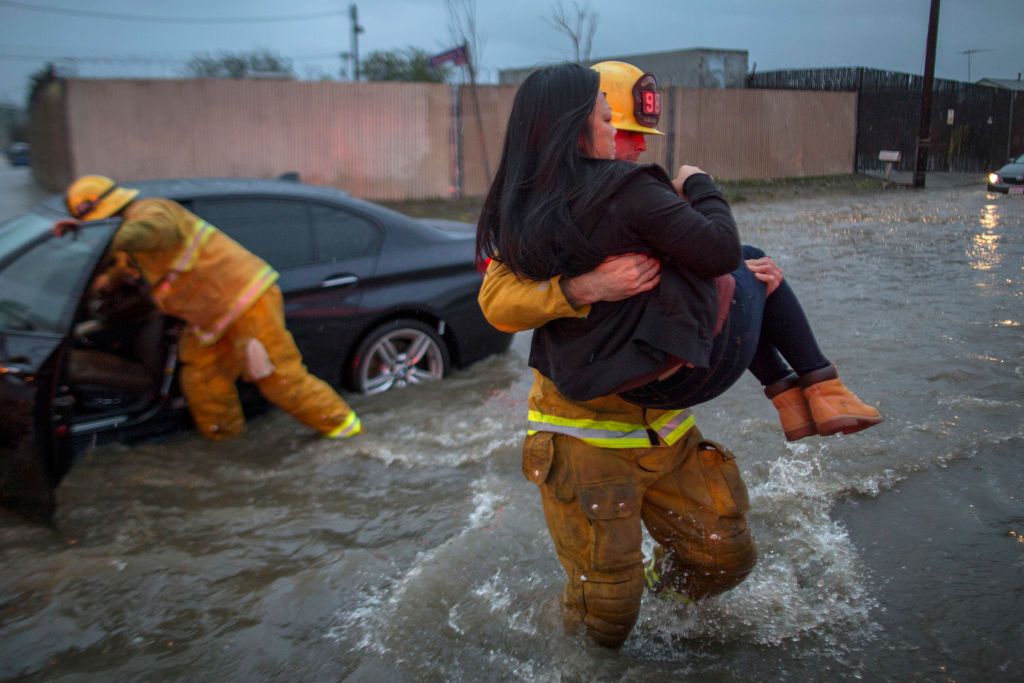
{"type": "Point", "coordinates": [339, 281]}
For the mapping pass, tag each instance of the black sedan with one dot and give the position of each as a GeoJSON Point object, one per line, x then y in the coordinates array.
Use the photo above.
{"type": "Point", "coordinates": [1009, 179]}
{"type": "Point", "coordinates": [375, 300]}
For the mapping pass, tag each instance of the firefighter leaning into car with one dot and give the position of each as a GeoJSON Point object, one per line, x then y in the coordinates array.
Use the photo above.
{"type": "Point", "coordinates": [605, 466]}
{"type": "Point", "coordinates": [230, 302]}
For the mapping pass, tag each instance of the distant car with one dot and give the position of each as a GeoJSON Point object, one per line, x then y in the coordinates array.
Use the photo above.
{"type": "Point", "coordinates": [17, 154]}
{"type": "Point", "coordinates": [375, 300]}
{"type": "Point", "coordinates": [1010, 178]}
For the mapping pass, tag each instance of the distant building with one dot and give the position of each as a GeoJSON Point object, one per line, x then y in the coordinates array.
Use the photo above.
{"type": "Point", "coordinates": [698, 67]}
{"type": "Point", "coordinates": [1005, 83]}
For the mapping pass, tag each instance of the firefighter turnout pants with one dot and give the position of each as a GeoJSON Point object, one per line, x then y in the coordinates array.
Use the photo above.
{"type": "Point", "coordinates": [273, 363]}
{"type": "Point", "coordinates": [690, 497]}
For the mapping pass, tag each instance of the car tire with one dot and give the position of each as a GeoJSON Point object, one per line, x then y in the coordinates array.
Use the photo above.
{"type": "Point", "coordinates": [397, 354]}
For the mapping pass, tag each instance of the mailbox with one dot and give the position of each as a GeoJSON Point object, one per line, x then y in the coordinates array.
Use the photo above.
{"type": "Point", "coordinates": [890, 157]}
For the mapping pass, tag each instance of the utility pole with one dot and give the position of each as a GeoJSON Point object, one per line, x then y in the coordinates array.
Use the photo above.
{"type": "Point", "coordinates": [476, 107]}
{"type": "Point", "coordinates": [924, 131]}
{"type": "Point", "coordinates": [353, 13]}
{"type": "Point", "coordinates": [969, 53]}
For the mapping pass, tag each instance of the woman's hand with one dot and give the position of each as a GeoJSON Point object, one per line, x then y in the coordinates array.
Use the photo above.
{"type": "Point", "coordinates": [616, 278]}
{"type": "Point", "coordinates": [680, 179]}
{"type": "Point", "coordinates": [767, 271]}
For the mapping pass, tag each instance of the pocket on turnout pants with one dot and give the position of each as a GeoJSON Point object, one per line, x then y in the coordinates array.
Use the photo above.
{"type": "Point", "coordinates": [614, 514]}
{"type": "Point", "coordinates": [724, 483]}
{"type": "Point", "coordinates": [538, 454]}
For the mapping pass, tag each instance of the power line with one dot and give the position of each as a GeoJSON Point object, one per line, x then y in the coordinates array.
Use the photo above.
{"type": "Point", "coordinates": [110, 58]}
{"type": "Point", "coordinates": [166, 19]}
{"type": "Point", "coordinates": [140, 59]}
{"type": "Point", "coordinates": [26, 58]}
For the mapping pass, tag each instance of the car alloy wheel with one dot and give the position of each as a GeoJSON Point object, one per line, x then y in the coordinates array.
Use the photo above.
{"type": "Point", "coordinates": [398, 354]}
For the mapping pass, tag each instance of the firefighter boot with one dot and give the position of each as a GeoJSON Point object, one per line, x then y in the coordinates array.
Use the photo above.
{"type": "Point", "coordinates": [834, 407]}
{"type": "Point", "coordinates": [347, 429]}
{"type": "Point", "coordinates": [794, 413]}
{"type": "Point", "coordinates": [654, 582]}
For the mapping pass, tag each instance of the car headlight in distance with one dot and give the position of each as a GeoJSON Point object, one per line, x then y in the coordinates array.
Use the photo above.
{"type": "Point", "coordinates": [993, 178]}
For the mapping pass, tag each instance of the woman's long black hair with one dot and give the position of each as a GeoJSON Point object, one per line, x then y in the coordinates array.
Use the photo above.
{"type": "Point", "coordinates": [544, 182]}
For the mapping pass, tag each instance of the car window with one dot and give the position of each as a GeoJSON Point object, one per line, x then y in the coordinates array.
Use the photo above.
{"type": "Point", "coordinates": [275, 230]}
{"type": "Point", "coordinates": [38, 287]}
{"type": "Point", "coordinates": [341, 234]}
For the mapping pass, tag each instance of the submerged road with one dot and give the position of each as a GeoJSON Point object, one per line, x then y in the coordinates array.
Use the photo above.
{"type": "Point", "coordinates": [417, 551]}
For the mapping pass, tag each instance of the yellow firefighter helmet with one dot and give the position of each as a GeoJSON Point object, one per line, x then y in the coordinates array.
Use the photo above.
{"type": "Point", "coordinates": [633, 96]}
{"type": "Point", "coordinates": [93, 197]}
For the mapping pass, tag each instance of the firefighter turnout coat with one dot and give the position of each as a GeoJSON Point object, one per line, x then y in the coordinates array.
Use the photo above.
{"type": "Point", "coordinates": [235, 320]}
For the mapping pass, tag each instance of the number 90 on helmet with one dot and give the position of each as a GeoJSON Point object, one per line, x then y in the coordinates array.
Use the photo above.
{"type": "Point", "coordinates": [632, 95]}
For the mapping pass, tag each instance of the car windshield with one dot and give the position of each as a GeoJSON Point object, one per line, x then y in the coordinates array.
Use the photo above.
{"type": "Point", "coordinates": [1020, 159]}
{"type": "Point", "coordinates": [39, 285]}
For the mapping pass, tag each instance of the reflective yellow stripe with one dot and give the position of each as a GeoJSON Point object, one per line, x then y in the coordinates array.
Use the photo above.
{"type": "Point", "coordinates": [604, 425]}
{"type": "Point", "coordinates": [618, 442]}
{"type": "Point", "coordinates": [187, 258]}
{"type": "Point", "coordinates": [670, 427]}
{"type": "Point", "coordinates": [679, 431]}
{"type": "Point", "coordinates": [263, 281]}
{"type": "Point", "coordinates": [204, 231]}
{"type": "Point", "coordinates": [351, 425]}
{"type": "Point", "coordinates": [665, 419]}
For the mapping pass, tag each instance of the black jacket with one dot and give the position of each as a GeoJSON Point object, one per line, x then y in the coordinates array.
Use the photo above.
{"type": "Point", "coordinates": [696, 240]}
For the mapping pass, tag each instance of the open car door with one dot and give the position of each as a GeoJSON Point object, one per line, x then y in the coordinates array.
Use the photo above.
{"type": "Point", "coordinates": [43, 279]}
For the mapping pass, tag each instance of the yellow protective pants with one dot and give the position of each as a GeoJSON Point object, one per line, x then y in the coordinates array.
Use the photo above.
{"type": "Point", "coordinates": [690, 497]}
{"type": "Point", "coordinates": [209, 374]}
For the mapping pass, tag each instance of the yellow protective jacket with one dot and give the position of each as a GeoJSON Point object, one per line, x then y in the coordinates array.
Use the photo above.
{"type": "Point", "coordinates": [197, 273]}
{"type": "Point", "coordinates": [513, 305]}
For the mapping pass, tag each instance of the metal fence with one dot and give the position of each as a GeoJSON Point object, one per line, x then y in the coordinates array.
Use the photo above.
{"type": "Point", "coordinates": [397, 140]}
{"type": "Point", "coordinates": [760, 134]}
{"type": "Point", "coordinates": [974, 128]}
{"type": "Point", "coordinates": [375, 140]}
{"type": "Point", "coordinates": [481, 137]}
{"type": "Point", "coordinates": [731, 133]}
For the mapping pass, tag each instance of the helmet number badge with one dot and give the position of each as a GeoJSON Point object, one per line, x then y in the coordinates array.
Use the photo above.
{"type": "Point", "coordinates": [646, 101]}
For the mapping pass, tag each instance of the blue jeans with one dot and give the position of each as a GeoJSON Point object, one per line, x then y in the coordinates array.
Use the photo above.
{"type": "Point", "coordinates": [757, 334]}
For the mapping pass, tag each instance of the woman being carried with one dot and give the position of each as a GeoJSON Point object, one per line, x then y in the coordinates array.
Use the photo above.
{"type": "Point", "coordinates": [560, 204]}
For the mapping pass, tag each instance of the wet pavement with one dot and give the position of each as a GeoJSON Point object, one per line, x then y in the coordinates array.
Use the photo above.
{"type": "Point", "coordinates": [418, 552]}
{"type": "Point", "coordinates": [933, 181]}
{"type": "Point", "coordinates": [18, 190]}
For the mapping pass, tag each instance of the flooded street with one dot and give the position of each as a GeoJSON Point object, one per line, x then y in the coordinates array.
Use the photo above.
{"type": "Point", "coordinates": [418, 552]}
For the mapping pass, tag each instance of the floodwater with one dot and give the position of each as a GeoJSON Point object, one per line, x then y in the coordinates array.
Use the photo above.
{"type": "Point", "coordinates": [417, 552]}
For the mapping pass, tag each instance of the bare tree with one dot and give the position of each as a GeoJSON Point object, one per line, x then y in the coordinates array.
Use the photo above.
{"type": "Point", "coordinates": [463, 31]}
{"type": "Point", "coordinates": [462, 27]}
{"type": "Point", "coordinates": [579, 25]}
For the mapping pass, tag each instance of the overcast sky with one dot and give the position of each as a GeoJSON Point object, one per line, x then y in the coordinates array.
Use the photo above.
{"type": "Point", "coordinates": [778, 34]}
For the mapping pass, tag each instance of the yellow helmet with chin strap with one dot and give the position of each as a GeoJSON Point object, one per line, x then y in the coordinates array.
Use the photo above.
{"type": "Point", "coordinates": [93, 197]}
{"type": "Point", "coordinates": [633, 96]}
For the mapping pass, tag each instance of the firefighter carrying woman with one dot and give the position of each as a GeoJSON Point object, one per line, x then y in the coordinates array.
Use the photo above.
{"type": "Point", "coordinates": [623, 345]}
{"type": "Point", "coordinates": [229, 300]}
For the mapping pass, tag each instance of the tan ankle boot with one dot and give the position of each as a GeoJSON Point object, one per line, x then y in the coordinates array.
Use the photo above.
{"type": "Point", "coordinates": [834, 407]}
{"type": "Point", "coordinates": [794, 413]}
